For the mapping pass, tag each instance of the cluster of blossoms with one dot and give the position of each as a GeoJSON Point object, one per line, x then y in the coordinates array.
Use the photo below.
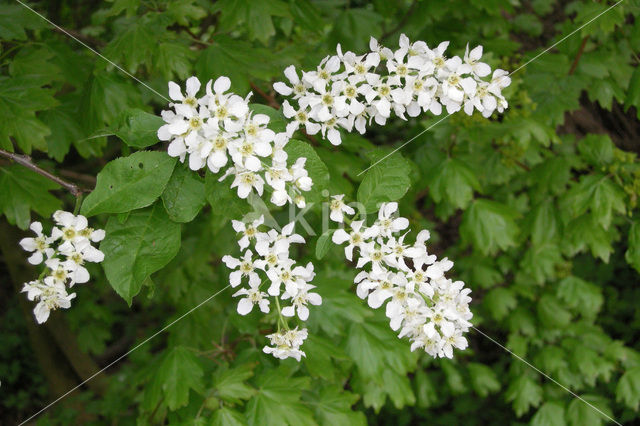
{"type": "Point", "coordinates": [64, 253]}
{"type": "Point", "coordinates": [220, 126]}
{"type": "Point", "coordinates": [269, 272]}
{"type": "Point", "coordinates": [422, 304]}
{"type": "Point", "coordinates": [348, 90]}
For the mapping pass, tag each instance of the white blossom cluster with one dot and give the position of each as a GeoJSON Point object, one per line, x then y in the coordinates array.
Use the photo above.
{"type": "Point", "coordinates": [271, 275]}
{"type": "Point", "coordinates": [348, 90]}
{"type": "Point", "coordinates": [421, 303]}
{"type": "Point", "coordinates": [64, 253]}
{"type": "Point", "coordinates": [219, 126]}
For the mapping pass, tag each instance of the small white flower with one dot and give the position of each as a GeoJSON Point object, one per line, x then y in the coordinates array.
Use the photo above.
{"type": "Point", "coordinates": [40, 245]}
{"type": "Point", "coordinates": [300, 301]}
{"type": "Point", "coordinates": [253, 296]}
{"type": "Point", "coordinates": [286, 344]}
{"type": "Point", "coordinates": [338, 208]}
{"type": "Point", "coordinates": [245, 268]}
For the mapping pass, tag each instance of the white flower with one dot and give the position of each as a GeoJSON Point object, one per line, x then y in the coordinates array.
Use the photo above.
{"type": "Point", "coordinates": [472, 59]}
{"type": "Point", "coordinates": [338, 207]}
{"type": "Point", "coordinates": [253, 296]}
{"type": "Point", "coordinates": [246, 181]}
{"type": "Point", "coordinates": [49, 297]}
{"type": "Point", "coordinates": [193, 85]}
{"type": "Point", "coordinates": [300, 301]}
{"type": "Point", "coordinates": [245, 268]}
{"type": "Point", "coordinates": [249, 231]}
{"type": "Point", "coordinates": [72, 226]}
{"type": "Point", "coordinates": [388, 225]}
{"type": "Point", "coordinates": [286, 344]}
{"type": "Point", "coordinates": [40, 245]}
{"type": "Point", "coordinates": [77, 254]}
{"type": "Point", "coordinates": [355, 238]}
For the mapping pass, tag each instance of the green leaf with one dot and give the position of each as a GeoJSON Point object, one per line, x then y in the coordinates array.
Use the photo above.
{"type": "Point", "coordinates": [524, 393]}
{"type": "Point", "coordinates": [229, 384]}
{"type": "Point", "coordinates": [323, 244]}
{"type": "Point", "coordinates": [500, 301]}
{"type": "Point", "coordinates": [628, 388]}
{"type": "Point", "coordinates": [544, 223]}
{"type": "Point", "coordinates": [320, 355]}
{"type": "Point", "coordinates": [138, 128]}
{"type": "Point", "coordinates": [179, 373]}
{"type": "Point", "coordinates": [586, 233]}
{"type": "Point", "coordinates": [20, 98]}
{"type": "Point", "coordinates": [454, 181]}
{"type": "Point", "coordinates": [580, 295]}
{"type": "Point", "coordinates": [220, 194]}
{"type": "Point", "coordinates": [540, 261]}
{"type": "Point", "coordinates": [633, 251]}
{"type": "Point", "coordinates": [184, 195]}
{"type": "Point", "coordinates": [490, 226]}
{"type": "Point", "coordinates": [23, 190]}
{"type": "Point", "coordinates": [596, 149]}
{"type": "Point", "coordinates": [129, 183]}
{"type": "Point", "coordinates": [228, 417]}
{"type": "Point", "coordinates": [15, 19]}
{"type": "Point", "coordinates": [277, 401]}
{"type": "Point", "coordinates": [580, 414]}
{"type": "Point", "coordinates": [144, 243]}
{"type": "Point", "coordinates": [550, 414]}
{"type": "Point", "coordinates": [332, 406]}
{"type": "Point", "coordinates": [552, 313]}
{"type": "Point", "coordinates": [387, 180]}
{"type": "Point", "coordinates": [318, 171]}
{"type": "Point", "coordinates": [633, 92]}
{"type": "Point", "coordinates": [483, 379]}
{"type": "Point", "coordinates": [598, 193]}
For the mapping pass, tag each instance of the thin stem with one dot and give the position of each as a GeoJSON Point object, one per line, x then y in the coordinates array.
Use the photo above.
{"type": "Point", "coordinates": [25, 161]}
{"type": "Point", "coordinates": [76, 209]}
{"type": "Point", "coordinates": [574, 65]}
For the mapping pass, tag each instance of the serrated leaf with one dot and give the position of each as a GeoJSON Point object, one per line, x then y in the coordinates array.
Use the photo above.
{"type": "Point", "coordinates": [316, 168]}
{"type": "Point", "coordinates": [277, 401]}
{"type": "Point", "coordinates": [633, 92]}
{"type": "Point", "coordinates": [550, 414]}
{"type": "Point", "coordinates": [524, 393]}
{"type": "Point", "coordinates": [578, 294]}
{"type": "Point", "coordinates": [483, 379]}
{"type": "Point", "coordinates": [500, 301]}
{"type": "Point", "coordinates": [129, 183]}
{"type": "Point", "coordinates": [454, 181]}
{"type": "Point", "coordinates": [22, 191]}
{"type": "Point", "coordinates": [596, 149]}
{"type": "Point", "coordinates": [580, 414]}
{"type": "Point", "coordinates": [332, 406]}
{"type": "Point", "coordinates": [387, 180]}
{"type": "Point", "coordinates": [138, 128]}
{"type": "Point", "coordinates": [228, 417]}
{"type": "Point", "coordinates": [598, 193]}
{"type": "Point", "coordinates": [489, 226]}
{"type": "Point", "coordinates": [586, 233]}
{"type": "Point", "coordinates": [184, 195]}
{"type": "Point", "coordinates": [628, 388]}
{"type": "Point", "coordinates": [138, 247]}
{"type": "Point", "coordinates": [179, 373]}
{"type": "Point", "coordinates": [551, 312]}
{"type": "Point", "coordinates": [229, 384]}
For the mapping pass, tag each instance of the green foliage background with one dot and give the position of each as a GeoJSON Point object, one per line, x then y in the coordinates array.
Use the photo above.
{"type": "Point", "coordinates": [537, 207]}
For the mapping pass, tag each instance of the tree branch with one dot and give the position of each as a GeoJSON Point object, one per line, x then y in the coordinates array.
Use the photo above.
{"type": "Point", "coordinates": [25, 161]}
{"type": "Point", "coordinates": [271, 100]}
{"type": "Point", "coordinates": [574, 65]}
{"type": "Point", "coordinates": [400, 24]}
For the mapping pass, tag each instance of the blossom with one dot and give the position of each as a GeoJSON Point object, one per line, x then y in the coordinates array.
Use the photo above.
{"type": "Point", "coordinates": [253, 296]}
{"type": "Point", "coordinates": [350, 90]}
{"type": "Point", "coordinates": [40, 245]}
{"type": "Point", "coordinates": [285, 344]}
{"type": "Point", "coordinates": [422, 304]}
{"type": "Point", "coordinates": [67, 249]}
{"type": "Point", "coordinates": [220, 132]}
{"type": "Point", "coordinates": [300, 301]}
{"type": "Point", "coordinates": [338, 208]}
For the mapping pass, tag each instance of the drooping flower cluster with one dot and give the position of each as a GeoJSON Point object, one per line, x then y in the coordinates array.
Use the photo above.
{"type": "Point", "coordinates": [219, 126]}
{"type": "Point", "coordinates": [64, 253]}
{"type": "Point", "coordinates": [348, 90]}
{"type": "Point", "coordinates": [271, 275]}
{"type": "Point", "coordinates": [421, 303]}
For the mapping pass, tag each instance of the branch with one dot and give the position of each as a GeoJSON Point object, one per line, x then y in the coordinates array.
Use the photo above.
{"type": "Point", "coordinates": [401, 23]}
{"type": "Point", "coordinates": [25, 161]}
{"type": "Point", "coordinates": [271, 100]}
{"type": "Point", "coordinates": [574, 65]}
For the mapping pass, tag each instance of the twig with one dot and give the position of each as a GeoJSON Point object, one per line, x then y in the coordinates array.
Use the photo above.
{"type": "Point", "coordinates": [401, 23]}
{"type": "Point", "coordinates": [269, 98]}
{"type": "Point", "coordinates": [574, 65]}
{"type": "Point", "coordinates": [25, 161]}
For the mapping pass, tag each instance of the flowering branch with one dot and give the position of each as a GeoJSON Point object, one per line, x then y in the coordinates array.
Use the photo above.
{"type": "Point", "coordinates": [25, 161]}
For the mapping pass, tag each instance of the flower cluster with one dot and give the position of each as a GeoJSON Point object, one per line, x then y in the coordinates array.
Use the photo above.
{"type": "Point", "coordinates": [348, 90]}
{"type": "Point", "coordinates": [64, 253]}
{"type": "Point", "coordinates": [422, 304]}
{"type": "Point", "coordinates": [220, 126]}
{"type": "Point", "coordinates": [271, 275]}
